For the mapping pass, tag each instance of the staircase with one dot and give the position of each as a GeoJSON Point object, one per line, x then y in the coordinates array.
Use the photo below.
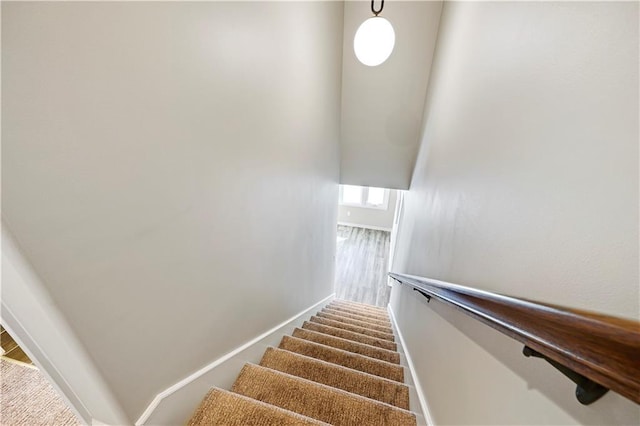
{"type": "Point", "coordinates": [341, 368]}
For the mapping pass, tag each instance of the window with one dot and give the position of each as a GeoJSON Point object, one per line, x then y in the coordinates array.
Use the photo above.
{"type": "Point", "coordinates": [363, 196]}
{"type": "Point", "coordinates": [352, 194]}
{"type": "Point", "coordinates": [375, 196]}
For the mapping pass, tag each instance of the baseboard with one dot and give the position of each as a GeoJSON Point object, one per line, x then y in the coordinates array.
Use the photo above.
{"type": "Point", "coordinates": [423, 401]}
{"type": "Point", "coordinates": [358, 225]}
{"type": "Point", "coordinates": [175, 404]}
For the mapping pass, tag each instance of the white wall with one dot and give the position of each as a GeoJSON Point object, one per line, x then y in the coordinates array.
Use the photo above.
{"type": "Point", "coordinates": [382, 106]}
{"type": "Point", "coordinates": [368, 217]}
{"type": "Point", "coordinates": [36, 323]}
{"type": "Point", "coordinates": [170, 172]}
{"type": "Point", "coordinates": [526, 184]}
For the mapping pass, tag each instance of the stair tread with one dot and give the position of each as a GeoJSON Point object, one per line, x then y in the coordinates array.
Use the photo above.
{"type": "Point", "coordinates": [315, 400]}
{"type": "Point", "coordinates": [378, 316]}
{"type": "Point", "coordinates": [356, 329]}
{"type": "Point", "coordinates": [337, 376]}
{"type": "Point", "coordinates": [347, 359]}
{"type": "Point", "coordinates": [348, 345]}
{"type": "Point", "coordinates": [352, 321]}
{"type": "Point", "coordinates": [350, 335]}
{"type": "Point", "coordinates": [345, 314]}
{"type": "Point", "coordinates": [223, 407]}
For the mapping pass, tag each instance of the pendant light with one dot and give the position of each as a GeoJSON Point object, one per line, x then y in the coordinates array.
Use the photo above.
{"type": "Point", "coordinates": [374, 39]}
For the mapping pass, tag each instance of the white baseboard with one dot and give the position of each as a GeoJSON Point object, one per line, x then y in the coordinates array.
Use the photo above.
{"type": "Point", "coordinates": [175, 404]}
{"type": "Point", "coordinates": [359, 225]}
{"type": "Point", "coordinates": [423, 401]}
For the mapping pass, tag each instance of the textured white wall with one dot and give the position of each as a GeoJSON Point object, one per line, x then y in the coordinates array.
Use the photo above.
{"type": "Point", "coordinates": [170, 171]}
{"type": "Point", "coordinates": [526, 184]}
{"type": "Point", "coordinates": [382, 106]}
{"type": "Point", "coordinates": [370, 217]}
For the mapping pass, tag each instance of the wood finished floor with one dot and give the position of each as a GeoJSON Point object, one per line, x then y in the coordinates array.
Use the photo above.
{"type": "Point", "coordinates": [11, 348]}
{"type": "Point", "coordinates": [362, 261]}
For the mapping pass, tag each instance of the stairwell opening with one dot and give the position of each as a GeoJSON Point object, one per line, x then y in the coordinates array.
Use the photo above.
{"type": "Point", "coordinates": [366, 230]}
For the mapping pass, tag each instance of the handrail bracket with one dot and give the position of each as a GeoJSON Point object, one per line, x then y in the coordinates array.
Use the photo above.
{"type": "Point", "coordinates": [587, 391]}
{"type": "Point", "coordinates": [424, 294]}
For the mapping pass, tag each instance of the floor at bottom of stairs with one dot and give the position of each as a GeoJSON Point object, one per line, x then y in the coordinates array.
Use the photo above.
{"type": "Point", "coordinates": [362, 264]}
{"type": "Point", "coordinates": [28, 399]}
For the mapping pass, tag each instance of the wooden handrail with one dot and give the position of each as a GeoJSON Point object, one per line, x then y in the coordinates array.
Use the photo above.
{"type": "Point", "coordinates": [601, 348]}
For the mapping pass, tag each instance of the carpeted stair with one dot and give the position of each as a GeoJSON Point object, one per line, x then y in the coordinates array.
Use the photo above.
{"type": "Point", "coordinates": [341, 368]}
{"type": "Point", "coordinates": [355, 328]}
{"type": "Point", "coordinates": [354, 322]}
{"type": "Point", "coordinates": [356, 316]}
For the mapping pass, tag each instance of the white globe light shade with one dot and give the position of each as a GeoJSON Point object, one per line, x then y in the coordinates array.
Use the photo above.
{"type": "Point", "coordinates": [374, 41]}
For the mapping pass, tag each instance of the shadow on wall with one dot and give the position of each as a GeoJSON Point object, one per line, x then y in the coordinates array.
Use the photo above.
{"type": "Point", "coordinates": [538, 374]}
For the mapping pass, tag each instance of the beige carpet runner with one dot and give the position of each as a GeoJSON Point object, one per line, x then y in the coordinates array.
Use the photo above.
{"type": "Point", "coordinates": [341, 368]}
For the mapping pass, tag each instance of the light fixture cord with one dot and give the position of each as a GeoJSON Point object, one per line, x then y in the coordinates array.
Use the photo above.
{"type": "Point", "coordinates": [373, 9]}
